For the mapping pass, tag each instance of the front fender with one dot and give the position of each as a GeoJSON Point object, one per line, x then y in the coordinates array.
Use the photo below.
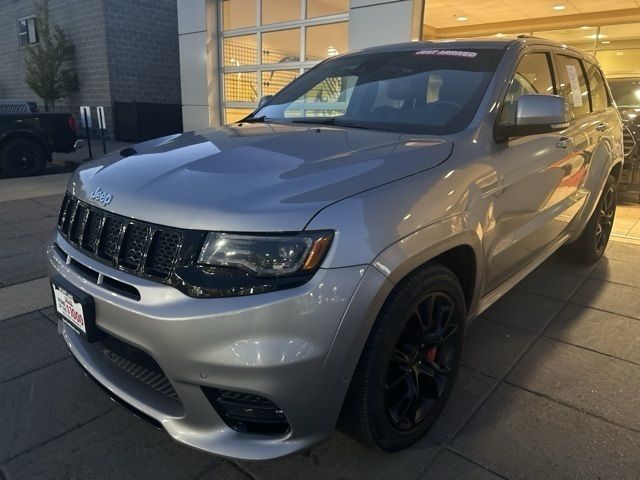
{"type": "Point", "coordinates": [603, 160]}
{"type": "Point", "coordinates": [409, 253]}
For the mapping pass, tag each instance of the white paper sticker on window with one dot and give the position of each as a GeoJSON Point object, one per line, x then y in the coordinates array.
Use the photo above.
{"type": "Point", "coordinates": [575, 85]}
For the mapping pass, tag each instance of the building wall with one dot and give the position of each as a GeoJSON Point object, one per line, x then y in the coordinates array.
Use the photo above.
{"type": "Point", "coordinates": [82, 22]}
{"type": "Point", "coordinates": [125, 50]}
{"type": "Point", "coordinates": [200, 50]}
{"type": "Point", "coordinates": [142, 50]}
{"type": "Point", "coordinates": [192, 29]}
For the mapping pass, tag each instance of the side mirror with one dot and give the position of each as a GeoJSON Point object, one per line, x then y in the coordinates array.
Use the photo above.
{"type": "Point", "coordinates": [536, 114]}
{"type": "Point", "coordinates": [264, 100]}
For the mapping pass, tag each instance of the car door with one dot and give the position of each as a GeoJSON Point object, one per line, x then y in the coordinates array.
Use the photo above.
{"type": "Point", "coordinates": [537, 174]}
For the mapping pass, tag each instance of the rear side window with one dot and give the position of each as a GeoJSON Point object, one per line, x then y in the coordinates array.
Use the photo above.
{"type": "Point", "coordinates": [572, 85]}
{"type": "Point", "coordinates": [533, 76]}
{"type": "Point", "coordinates": [599, 99]}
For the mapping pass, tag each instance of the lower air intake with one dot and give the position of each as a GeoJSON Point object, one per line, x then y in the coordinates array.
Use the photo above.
{"type": "Point", "coordinates": [247, 413]}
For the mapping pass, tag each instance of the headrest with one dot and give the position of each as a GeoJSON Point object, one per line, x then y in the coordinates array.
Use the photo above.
{"type": "Point", "coordinates": [401, 88]}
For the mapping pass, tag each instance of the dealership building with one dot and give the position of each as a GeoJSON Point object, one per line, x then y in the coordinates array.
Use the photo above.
{"type": "Point", "coordinates": [233, 52]}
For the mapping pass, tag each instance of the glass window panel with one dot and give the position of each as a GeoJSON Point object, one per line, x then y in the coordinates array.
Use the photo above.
{"type": "Point", "coordinates": [599, 99]}
{"type": "Point", "coordinates": [241, 87]}
{"type": "Point", "coordinates": [239, 13]}
{"type": "Point", "coordinates": [275, 11]}
{"type": "Point", "coordinates": [532, 76]}
{"type": "Point", "coordinates": [329, 98]}
{"type": "Point", "coordinates": [321, 8]}
{"type": "Point", "coordinates": [27, 31]}
{"type": "Point", "coordinates": [620, 62]}
{"type": "Point", "coordinates": [583, 38]}
{"type": "Point", "coordinates": [281, 46]}
{"type": "Point", "coordinates": [23, 33]}
{"type": "Point", "coordinates": [241, 50]}
{"type": "Point", "coordinates": [326, 41]}
{"type": "Point", "coordinates": [615, 37]}
{"type": "Point", "coordinates": [572, 85]}
{"type": "Point", "coordinates": [233, 115]}
{"type": "Point", "coordinates": [276, 80]}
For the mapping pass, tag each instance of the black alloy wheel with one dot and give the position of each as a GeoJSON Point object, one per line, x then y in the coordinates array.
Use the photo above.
{"type": "Point", "coordinates": [606, 216]}
{"type": "Point", "coordinates": [589, 247]}
{"type": "Point", "coordinates": [409, 363]}
{"type": "Point", "coordinates": [422, 361]}
{"type": "Point", "coordinates": [22, 157]}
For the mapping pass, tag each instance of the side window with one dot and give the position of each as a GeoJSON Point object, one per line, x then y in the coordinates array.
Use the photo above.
{"type": "Point", "coordinates": [533, 76]}
{"type": "Point", "coordinates": [573, 85]}
{"type": "Point", "coordinates": [599, 99]}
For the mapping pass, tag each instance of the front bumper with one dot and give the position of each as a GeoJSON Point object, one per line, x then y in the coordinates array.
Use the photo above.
{"type": "Point", "coordinates": [296, 347]}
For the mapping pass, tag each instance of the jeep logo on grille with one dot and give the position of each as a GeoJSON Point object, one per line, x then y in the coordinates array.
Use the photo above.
{"type": "Point", "coordinates": [101, 196]}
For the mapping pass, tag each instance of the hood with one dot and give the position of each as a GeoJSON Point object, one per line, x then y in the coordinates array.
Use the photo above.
{"type": "Point", "coordinates": [251, 178]}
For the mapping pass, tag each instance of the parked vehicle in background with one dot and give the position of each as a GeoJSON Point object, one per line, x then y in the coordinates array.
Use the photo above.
{"type": "Point", "coordinates": [626, 93]}
{"type": "Point", "coordinates": [15, 106]}
{"type": "Point", "coordinates": [27, 140]}
{"type": "Point", "coordinates": [248, 287]}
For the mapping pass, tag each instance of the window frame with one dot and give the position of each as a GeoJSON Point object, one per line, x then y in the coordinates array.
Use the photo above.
{"type": "Point", "coordinates": [605, 85]}
{"type": "Point", "coordinates": [35, 29]}
{"type": "Point", "coordinates": [302, 65]}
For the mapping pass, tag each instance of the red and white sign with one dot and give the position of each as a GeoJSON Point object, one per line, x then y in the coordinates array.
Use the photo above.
{"type": "Point", "coordinates": [68, 308]}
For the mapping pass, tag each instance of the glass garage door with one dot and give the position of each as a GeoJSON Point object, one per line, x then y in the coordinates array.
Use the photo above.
{"type": "Point", "coordinates": [268, 43]}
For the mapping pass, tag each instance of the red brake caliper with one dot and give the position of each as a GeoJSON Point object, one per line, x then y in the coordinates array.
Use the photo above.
{"type": "Point", "coordinates": [431, 354]}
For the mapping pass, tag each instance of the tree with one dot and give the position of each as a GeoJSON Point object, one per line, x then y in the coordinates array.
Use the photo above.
{"type": "Point", "coordinates": [49, 70]}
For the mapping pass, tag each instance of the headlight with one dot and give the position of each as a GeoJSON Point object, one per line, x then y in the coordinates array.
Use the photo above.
{"type": "Point", "coordinates": [266, 255]}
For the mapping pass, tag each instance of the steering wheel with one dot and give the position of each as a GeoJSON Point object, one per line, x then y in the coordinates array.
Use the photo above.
{"type": "Point", "coordinates": [444, 103]}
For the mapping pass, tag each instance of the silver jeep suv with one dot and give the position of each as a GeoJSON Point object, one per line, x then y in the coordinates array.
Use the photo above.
{"type": "Point", "coordinates": [250, 287]}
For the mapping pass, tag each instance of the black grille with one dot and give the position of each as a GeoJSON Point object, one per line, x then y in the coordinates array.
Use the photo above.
{"type": "Point", "coordinates": [144, 249]}
{"type": "Point", "coordinates": [110, 241]}
{"type": "Point", "coordinates": [134, 246]}
{"type": "Point", "coordinates": [138, 364]}
{"type": "Point", "coordinates": [164, 244]}
{"type": "Point", "coordinates": [92, 231]}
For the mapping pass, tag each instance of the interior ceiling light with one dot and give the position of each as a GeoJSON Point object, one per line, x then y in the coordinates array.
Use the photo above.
{"type": "Point", "coordinates": [605, 42]}
{"type": "Point", "coordinates": [559, 8]}
{"type": "Point", "coordinates": [462, 19]}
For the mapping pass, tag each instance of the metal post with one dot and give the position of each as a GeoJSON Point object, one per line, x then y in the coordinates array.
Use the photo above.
{"type": "Point", "coordinates": [86, 128]}
{"type": "Point", "coordinates": [104, 142]}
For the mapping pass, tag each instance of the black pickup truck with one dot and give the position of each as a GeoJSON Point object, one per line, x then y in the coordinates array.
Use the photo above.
{"type": "Point", "coordinates": [27, 140]}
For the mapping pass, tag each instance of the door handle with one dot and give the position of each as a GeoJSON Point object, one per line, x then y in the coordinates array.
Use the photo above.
{"type": "Point", "coordinates": [601, 127]}
{"type": "Point", "coordinates": [563, 142]}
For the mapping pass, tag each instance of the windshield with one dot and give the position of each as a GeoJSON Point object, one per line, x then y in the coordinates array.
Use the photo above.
{"type": "Point", "coordinates": [433, 91]}
{"type": "Point", "coordinates": [626, 92]}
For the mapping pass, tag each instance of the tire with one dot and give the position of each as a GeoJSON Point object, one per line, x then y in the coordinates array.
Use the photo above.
{"type": "Point", "coordinates": [589, 247]}
{"type": "Point", "coordinates": [23, 157]}
{"type": "Point", "coordinates": [395, 359]}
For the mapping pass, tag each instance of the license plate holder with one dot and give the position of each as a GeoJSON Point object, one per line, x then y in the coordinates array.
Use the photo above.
{"type": "Point", "coordinates": [76, 308]}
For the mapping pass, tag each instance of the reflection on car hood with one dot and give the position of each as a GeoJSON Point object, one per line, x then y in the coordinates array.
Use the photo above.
{"type": "Point", "coordinates": [255, 177]}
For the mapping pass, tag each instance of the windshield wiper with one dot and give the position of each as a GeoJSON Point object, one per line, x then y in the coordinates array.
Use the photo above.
{"type": "Point", "coordinates": [330, 121]}
{"type": "Point", "coordinates": [260, 119]}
